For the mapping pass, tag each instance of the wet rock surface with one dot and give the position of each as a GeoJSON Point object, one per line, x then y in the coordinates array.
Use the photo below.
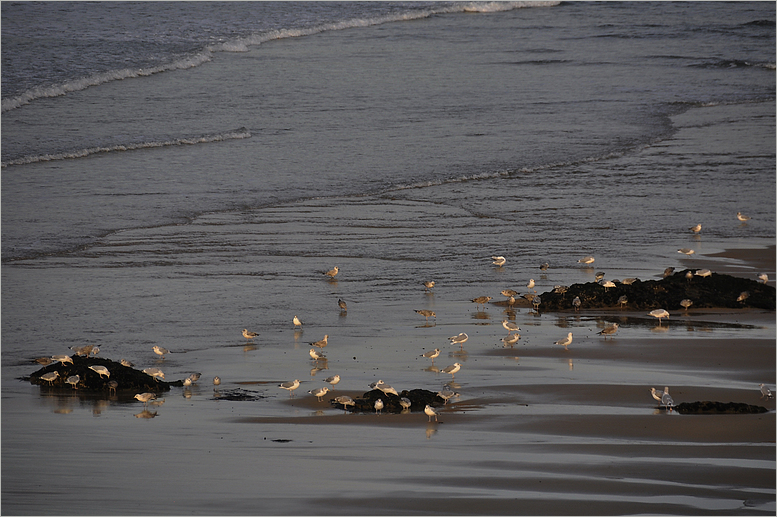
{"type": "Point", "coordinates": [127, 378]}
{"type": "Point", "coordinates": [717, 408]}
{"type": "Point", "coordinates": [715, 291]}
{"type": "Point", "coordinates": [418, 400]}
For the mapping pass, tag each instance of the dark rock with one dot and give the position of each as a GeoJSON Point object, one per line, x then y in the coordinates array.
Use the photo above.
{"type": "Point", "coordinates": [418, 400]}
{"type": "Point", "coordinates": [127, 378]}
{"type": "Point", "coordinates": [715, 291]}
{"type": "Point", "coordinates": [717, 408]}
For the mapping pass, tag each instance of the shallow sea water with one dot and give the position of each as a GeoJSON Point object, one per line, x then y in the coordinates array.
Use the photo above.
{"type": "Point", "coordinates": [187, 246]}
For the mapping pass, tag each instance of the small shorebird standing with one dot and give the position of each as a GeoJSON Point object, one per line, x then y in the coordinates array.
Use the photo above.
{"type": "Point", "coordinates": [666, 399]}
{"type": "Point", "coordinates": [431, 354]}
{"type": "Point", "coordinates": [587, 260]}
{"type": "Point", "coordinates": [511, 339]}
{"type": "Point", "coordinates": [342, 305]}
{"type": "Point", "coordinates": [322, 343]}
{"type": "Point", "coordinates": [158, 350]}
{"type": "Point", "coordinates": [766, 392]}
{"type": "Point", "coordinates": [481, 300]}
{"type": "Point", "coordinates": [428, 285]}
{"type": "Point", "coordinates": [73, 380]}
{"type": "Point", "coordinates": [290, 386]}
{"type": "Point", "coordinates": [659, 313]}
{"type": "Point", "coordinates": [686, 251]}
{"type": "Point", "coordinates": [332, 272]}
{"type": "Point", "coordinates": [145, 397]}
{"type": "Point", "coordinates": [544, 266]}
{"type": "Point", "coordinates": [316, 355]}
{"type": "Point", "coordinates": [459, 339]}
{"type": "Point", "coordinates": [62, 359]}
{"type": "Point", "coordinates": [576, 303]}
{"type": "Point", "coordinates": [50, 377]}
{"type": "Point", "coordinates": [623, 301]}
{"type": "Point", "coordinates": [742, 217]}
{"type": "Point", "coordinates": [345, 400]}
{"type": "Point", "coordinates": [452, 369]}
{"type": "Point", "coordinates": [695, 229]}
{"type": "Point", "coordinates": [530, 285]}
{"type": "Point", "coordinates": [510, 326]}
{"type": "Point", "coordinates": [249, 335]}
{"type": "Point", "coordinates": [297, 322]}
{"type": "Point", "coordinates": [685, 303]}
{"type": "Point", "coordinates": [319, 392]}
{"type": "Point", "coordinates": [763, 277]}
{"type": "Point", "coordinates": [498, 260]}
{"type": "Point", "coordinates": [565, 342]}
{"type": "Point", "coordinates": [154, 372]}
{"type": "Point", "coordinates": [426, 313]}
{"type": "Point", "coordinates": [703, 273]}
{"type": "Point", "coordinates": [656, 394]}
{"type": "Point", "coordinates": [608, 331]}
{"type": "Point", "coordinates": [333, 380]}
{"type": "Point", "coordinates": [378, 406]}
{"type": "Point", "coordinates": [430, 412]}
{"type": "Point", "coordinates": [668, 271]}
{"type": "Point", "coordinates": [100, 370]}
{"type": "Point", "coordinates": [216, 380]}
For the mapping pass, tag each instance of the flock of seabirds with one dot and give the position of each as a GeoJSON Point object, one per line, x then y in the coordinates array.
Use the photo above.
{"type": "Point", "coordinates": [663, 397]}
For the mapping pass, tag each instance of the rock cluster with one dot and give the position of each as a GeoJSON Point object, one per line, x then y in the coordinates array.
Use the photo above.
{"type": "Point", "coordinates": [717, 408]}
{"type": "Point", "coordinates": [126, 378]}
{"type": "Point", "coordinates": [714, 291]}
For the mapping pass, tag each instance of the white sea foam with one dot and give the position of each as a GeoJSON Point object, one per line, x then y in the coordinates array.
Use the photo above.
{"type": "Point", "coordinates": [82, 153]}
{"type": "Point", "coordinates": [243, 44]}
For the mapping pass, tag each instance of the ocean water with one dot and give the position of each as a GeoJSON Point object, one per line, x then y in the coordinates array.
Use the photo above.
{"type": "Point", "coordinates": [175, 172]}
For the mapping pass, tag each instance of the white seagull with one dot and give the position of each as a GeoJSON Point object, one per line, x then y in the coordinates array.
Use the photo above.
{"type": "Point", "coordinates": [587, 260]}
{"type": "Point", "coordinates": [460, 339]}
{"type": "Point", "coordinates": [431, 354]}
{"type": "Point", "coordinates": [322, 343]}
{"type": "Point", "coordinates": [100, 370]}
{"type": "Point", "coordinates": [319, 392]}
{"type": "Point", "coordinates": [249, 335]}
{"type": "Point", "coordinates": [332, 272]}
{"type": "Point", "coordinates": [510, 326]}
{"type": "Point", "coordinates": [430, 412]}
{"type": "Point", "coordinates": [659, 313]}
{"type": "Point", "coordinates": [50, 377]}
{"type": "Point", "coordinates": [686, 251]}
{"type": "Point", "coordinates": [499, 260]}
{"type": "Point", "coordinates": [666, 399]}
{"type": "Point", "coordinates": [608, 331]}
{"type": "Point", "coordinates": [335, 379]}
{"type": "Point", "coordinates": [763, 277]}
{"type": "Point", "coordinates": [656, 394]}
{"type": "Point", "coordinates": [452, 369]}
{"type": "Point", "coordinates": [158, 350]}
{"type": "Point", "coordinates": [766, 392]}
{"type": "Point", "coordinates": [145, 397]}
{"type": "Point", "coordinates": [695, 229]}
{"type": "Point", "coordinates": [565, 342]}
{"type": "Point", "coordinates": [290, 386]}
{"type": "Point", "coordinates": [297, 322]}
{"type": "Point", "coordinates": [316, 355]}
{"type": "Point", "coordinates": [378, 406]}
{"type": "Point", "coordinates": [511, 339]}
{"type": "Point", "coordinates": [742, 217]}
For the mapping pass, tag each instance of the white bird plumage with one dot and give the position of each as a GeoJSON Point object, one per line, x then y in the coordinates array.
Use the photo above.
{"type": "Point", "coordinates": [565, 342]}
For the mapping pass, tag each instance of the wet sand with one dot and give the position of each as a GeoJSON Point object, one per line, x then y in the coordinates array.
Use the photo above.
{"type": "Point", "coordinates": [537, 429]}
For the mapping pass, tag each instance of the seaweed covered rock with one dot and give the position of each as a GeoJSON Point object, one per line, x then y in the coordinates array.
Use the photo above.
{"type": "Point", "coordinates": [714, 291]}
{"type": "Point", "coordinates": [391, 403]}
{"type": "Point", "coordinates": [717, 408]}
{"type": "Point", "coordinates": [125, 377]}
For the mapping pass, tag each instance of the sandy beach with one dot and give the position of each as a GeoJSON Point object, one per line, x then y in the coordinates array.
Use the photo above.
{"type": "Point", "coordinates": [210, 162]}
